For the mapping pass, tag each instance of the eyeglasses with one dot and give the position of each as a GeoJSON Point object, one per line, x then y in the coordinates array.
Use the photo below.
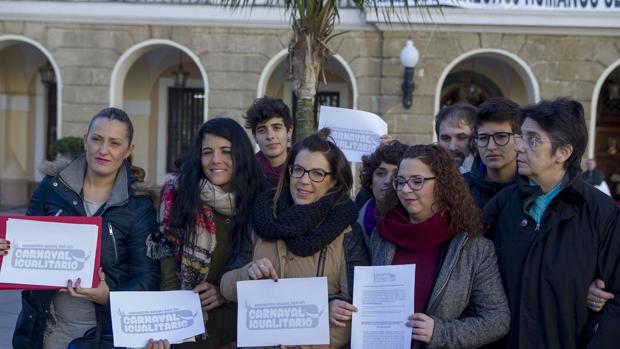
{"type": "Point", "coordinates": [315, 174]}
{"type": "Point", "coordinates": [531, 141]}
{"type": "Point", "coordinates": [414, 182]}
{"type": "Point", "coordinates": [500, 138]}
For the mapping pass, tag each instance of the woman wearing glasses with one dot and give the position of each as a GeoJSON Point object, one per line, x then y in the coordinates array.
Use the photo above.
{"type": "Point", "coordinates": [303, 228]}
{"type": "Point", "coordinates": [554, 234]}
{"type": "Point", "coordinates": [431, 220]}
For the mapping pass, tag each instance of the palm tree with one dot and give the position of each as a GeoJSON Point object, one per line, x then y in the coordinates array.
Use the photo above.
{"type": "Point", "coordinates": [313, 24]}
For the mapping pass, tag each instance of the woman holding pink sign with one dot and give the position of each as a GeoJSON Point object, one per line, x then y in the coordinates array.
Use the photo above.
{"type": "Point", "coordinates": [98, 183]}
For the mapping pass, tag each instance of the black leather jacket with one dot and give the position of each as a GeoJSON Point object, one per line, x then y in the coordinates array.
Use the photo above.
{"type": "Point", "coordinates": [128, 218]}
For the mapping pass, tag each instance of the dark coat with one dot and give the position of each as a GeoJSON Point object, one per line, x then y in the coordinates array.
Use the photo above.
{"type": "Point", "coordinates": [128, 218]}
{"type": "Point", "coordinates": [481, 189]}
{"type": "Point", "coordinates": [547, 267]}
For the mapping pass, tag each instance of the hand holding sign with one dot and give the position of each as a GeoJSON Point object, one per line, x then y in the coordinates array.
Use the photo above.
{"type": "Point", "coordinates": [340, 312]}
{"type": "Point", "coordinates": [4, 247]}
{"type": "Point", "coordinates": [210, 296]}
{"type": "Point", "coordinates": [98, 295]}
{"type": "Point", "coordinates": [160, 344]}
{"type": "Point", "coordinates": [262, 269]}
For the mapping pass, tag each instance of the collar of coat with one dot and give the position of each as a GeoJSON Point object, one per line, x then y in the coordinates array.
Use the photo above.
{"type": "Point", "coordinates": [571, 191]}
{"type": "Point", "coordinates": [476, 177]}
{"type": "Point", "coordinates": [72, 172]}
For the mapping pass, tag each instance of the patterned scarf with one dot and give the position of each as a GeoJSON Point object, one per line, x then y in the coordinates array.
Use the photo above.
{"type": "Point", "coordinates": [194, 257]}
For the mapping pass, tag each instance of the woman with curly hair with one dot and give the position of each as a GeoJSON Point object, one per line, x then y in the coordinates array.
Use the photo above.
{"type": "Point", "coordinates": [429, 219]}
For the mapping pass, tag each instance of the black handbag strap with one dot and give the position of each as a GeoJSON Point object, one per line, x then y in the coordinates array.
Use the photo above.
{"type": "Point", "coordinates": [320, 268]}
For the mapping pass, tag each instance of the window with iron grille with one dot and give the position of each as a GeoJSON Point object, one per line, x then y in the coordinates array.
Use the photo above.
{"type": "Point", "coordinates": [327, 98]}
{"type": "Point", "coordinates": [185, 115]}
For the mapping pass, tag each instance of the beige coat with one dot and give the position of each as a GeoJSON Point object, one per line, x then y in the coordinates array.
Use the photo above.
{"type": "Point", "coordinates": [289, 265]}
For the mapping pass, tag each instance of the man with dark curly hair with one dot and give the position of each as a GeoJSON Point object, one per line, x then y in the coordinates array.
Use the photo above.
{"type": "Point", "coordinates": [378, 171]}
{"type": "Point", "coordinates": [272, 126]}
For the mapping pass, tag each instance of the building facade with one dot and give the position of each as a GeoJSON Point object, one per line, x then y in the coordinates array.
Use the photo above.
{"type": "Point", "coordinates": [133, 56]}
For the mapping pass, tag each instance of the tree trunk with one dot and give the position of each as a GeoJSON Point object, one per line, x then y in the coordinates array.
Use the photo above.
{"type": "Point", "coordinates": [305, 67]}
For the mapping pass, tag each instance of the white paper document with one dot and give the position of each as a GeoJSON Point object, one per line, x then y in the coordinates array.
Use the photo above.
{"type": "Point", "coordinates": [139, 316]}
{"type": "Point", "coordinates": [355, 132]}
{"type": "Point", "coordinates": [49, 253]}
{"type": "Point", "coordinates": [289, 312]}
{"type": "Point", "coordinates": [383, 296]}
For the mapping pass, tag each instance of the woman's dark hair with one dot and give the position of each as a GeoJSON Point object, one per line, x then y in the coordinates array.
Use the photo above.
{"type": "Point", "coordinates": [247, 181]}
{"type": "Point", "coordinates": [390, 153]}
{"type": "Point", "coordinates": [451, 192]}
{"type": "Point", "coordinates": [265, 108]}
{"type": "Point", "coordinates": [322, 143]}
{"type": "Point", "coordinates": [112, 113]}
{"type": "Point", "coordinates": [563, 119]}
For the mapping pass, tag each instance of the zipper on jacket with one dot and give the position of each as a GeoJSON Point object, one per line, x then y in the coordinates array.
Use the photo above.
{"type": "Point", "coordinates": [445, 283]}
{"type": "Point", "coordinates": [58, 212]}
{"type": "Point", "coordinates": [537, 227]}
{"type": "Point", "coordinates": [111, 232]}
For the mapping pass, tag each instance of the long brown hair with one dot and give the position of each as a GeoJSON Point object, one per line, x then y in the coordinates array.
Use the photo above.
{"type": "Point", "coordinates": [451, 192]}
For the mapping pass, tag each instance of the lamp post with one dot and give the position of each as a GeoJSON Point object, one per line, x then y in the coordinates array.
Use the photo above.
{"type": "Point", "coordinates": [180, 75]}
{"type": "Point", "coordinates": [48, 76]}
{"type": "Point", "coordinates": [409, 57]}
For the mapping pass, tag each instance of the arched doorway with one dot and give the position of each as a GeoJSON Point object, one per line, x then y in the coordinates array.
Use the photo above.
{"type": "Point", "coordinates": [605, 135]}
{"type": "Point", "coordinates": [163, 87]}
{"type": "Point", "coordinates": [338, 89]}
{"type": "Point", "coordinates": [480, 74]}
{"type": "Point", "coordinates": [483, 73]}
{"type": "Point", "coordinates": [29, 115]}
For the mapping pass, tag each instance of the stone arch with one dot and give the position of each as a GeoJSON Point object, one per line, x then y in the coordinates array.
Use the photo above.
{"type": "Point", "coordinates": [516, 63]}
{"type": "Point", "coordinates": [279, 57]}
{"type": "Point", "coordinates": [129, 57]}
{"type": "Point", "coordinates": [24, 136]}
{"type": "Point", "coordinates": [6, 39]}
{"type": "Point", "coordinates": [144, 70]}
{"type": "Point", "coordinates": [594, 105]}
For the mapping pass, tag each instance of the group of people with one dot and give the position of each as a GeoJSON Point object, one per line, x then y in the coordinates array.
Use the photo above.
{"type": "Point", "coordinates": [512, 248]}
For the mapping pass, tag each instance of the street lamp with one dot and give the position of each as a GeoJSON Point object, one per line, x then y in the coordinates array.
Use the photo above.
{"type": "Point", "coordinates": [48, 76]}
{"type": "Point", "coordinates": [409, 57]}
{"type": "Point", "coordinates": [180, 75]}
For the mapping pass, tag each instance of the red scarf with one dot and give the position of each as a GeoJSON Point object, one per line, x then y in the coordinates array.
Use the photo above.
{"type": "Point", "coordinates": [418, 244]}
{"type": "Point", "coordinates": [271, 173]}
{"type": "Point", "coordinates": [399, 230]}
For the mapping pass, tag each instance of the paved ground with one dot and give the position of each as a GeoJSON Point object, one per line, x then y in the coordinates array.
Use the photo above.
{"type": "Point", "coordinates": [10, 301]}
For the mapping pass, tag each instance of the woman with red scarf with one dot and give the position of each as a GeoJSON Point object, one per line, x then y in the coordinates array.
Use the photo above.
{"type": "Point", "coordinates": [430, 220]}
